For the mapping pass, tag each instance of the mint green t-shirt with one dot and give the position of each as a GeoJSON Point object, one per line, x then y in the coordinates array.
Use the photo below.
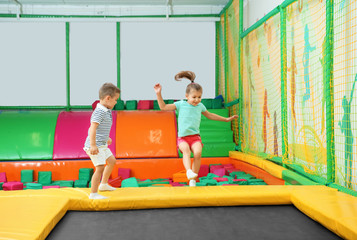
{"type": "Point", "coordinates": [189, 118]}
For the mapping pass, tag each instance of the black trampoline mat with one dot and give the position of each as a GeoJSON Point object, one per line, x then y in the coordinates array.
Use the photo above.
{"type": "Point", "coordinates": [218, 223]}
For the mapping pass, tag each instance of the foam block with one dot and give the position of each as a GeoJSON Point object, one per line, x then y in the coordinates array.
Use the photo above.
{"type": "Point", "coordinates": [34, 186]}
{"type": "Point", "coordinates": [115, 182]}
{"type": "Point", "coordinates": [1, 183]}
{"type": "Point", "coordinates": [119, 105]}
{"type": "Point", "coordinates": [180, 176]}
{"type": "Point", "coordinates": [52, 186]}
{"type": "Point", "coordinates": [27, 176]}
{"type": "Point", "coordinates": [94, 104]}
{"type": "Point", "coordinates": [124, 173]}
{"type": "Point", "coordinates": [3, 177]}
{"type": "Point", "coordinates": [9, 186]}
{"type": "Point", "coordinates": [145, 104]}
{"type": "Point", "coordinates": [207, 102]}
{"type": "Point", "coordinates": [81, 183]}
{"type": "Point", "coordinates": [45, 177]}
{"type": "Point", "coordinates": [204, 170]}
{"type": "Point", "coordinates": [129, 182]}
{"type": "Point", "coordinates": [221, 179]}
{"type": "Point", "coordinates": [131, 105]}
{"type": "Point", "coordinates": [85, 174]}
{"type": "Point", "coordinates": [219, 171]}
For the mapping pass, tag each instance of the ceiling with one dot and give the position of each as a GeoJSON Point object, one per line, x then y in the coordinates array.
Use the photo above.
{"type": "Point", "coordinates": [116, 8]}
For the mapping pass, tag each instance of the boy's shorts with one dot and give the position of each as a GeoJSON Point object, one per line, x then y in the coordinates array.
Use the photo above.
{"type": "Point", "coordinates": [101, 157]}
{"type": "Point", "coordinates": [191, 139]}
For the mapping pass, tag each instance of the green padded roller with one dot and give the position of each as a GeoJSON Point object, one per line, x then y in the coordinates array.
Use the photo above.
{"type": "Point", "coordinates": [85, 174]}
{"type": "Point", "coordinates": [45, 177]}
{"type": "Point", "coordinates": [129, 182]}
{"type": "Point", "coordinates": [33, 186]}
{"type": "Point", "coordinates": [119, 105]}
{"type": "Point", "coordinates": [207, 102]}
{"type": "Point", "coordinates": [26, 175]}
{"type": "Point", "coordinates": [80, 183]}
{"type": "Point", "coordinates": [27, 134]}
{"type": "Point", "coordinates": [131, 104]}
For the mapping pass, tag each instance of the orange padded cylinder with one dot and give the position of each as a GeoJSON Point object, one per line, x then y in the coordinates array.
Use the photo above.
{"type": "Point", "coordinates": [144, 134]}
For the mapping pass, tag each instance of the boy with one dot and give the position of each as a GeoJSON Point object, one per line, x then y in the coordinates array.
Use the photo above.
{"type": "Point", "coordinates": [96, 144]}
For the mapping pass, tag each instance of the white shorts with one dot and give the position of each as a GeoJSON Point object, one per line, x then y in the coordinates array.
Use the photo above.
{"type": "Point", "coordinates": [101, 157]}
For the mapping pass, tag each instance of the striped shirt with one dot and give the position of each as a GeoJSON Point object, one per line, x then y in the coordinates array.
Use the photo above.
{"type": "Point", "coordinates": [103, 116]}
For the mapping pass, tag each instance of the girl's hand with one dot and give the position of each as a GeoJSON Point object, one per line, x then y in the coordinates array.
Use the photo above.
{"type": "Point", "coordinates": [157, 88]}
{"type": "Point", "coordinates": [109, 141]}
{"type": "Point", "coordinates": [231, 118]}
{"type": "Point", "coordinates": [93, 150]}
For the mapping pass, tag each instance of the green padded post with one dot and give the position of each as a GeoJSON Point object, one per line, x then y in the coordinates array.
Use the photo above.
{"type": "Point", "coordinates": [85, 174]}
{"type": "Point", "coordinates": [131, 104]}
{"type": "Point", "coordinates": [45, 177]}
{"type": "Point", "coordinates": [26, 175]}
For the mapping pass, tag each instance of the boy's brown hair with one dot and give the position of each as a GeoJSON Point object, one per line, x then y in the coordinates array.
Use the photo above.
{"type": "Point", "coordinates": [190, 76]}
{"type": "Point", "coordinates": [108, 89]}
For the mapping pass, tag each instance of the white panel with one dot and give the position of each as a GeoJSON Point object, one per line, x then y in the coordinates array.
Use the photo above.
{"type": "Point", "coordinates": [93, 60]}
{"type": "Point", "coordinates": [254, 10]}
{"type": "Point", "coordinates": [154, 52]}
{"type": "Point", "coordinates": [32, 64]}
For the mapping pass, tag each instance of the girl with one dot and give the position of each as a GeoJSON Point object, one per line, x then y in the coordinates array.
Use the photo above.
{"type": "Point", "coordinates": [189, 119]}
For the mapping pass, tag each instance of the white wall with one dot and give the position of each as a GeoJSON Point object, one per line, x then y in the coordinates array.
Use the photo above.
{"type": "Point", "coordinates": [32, 64]}
{"type": "Point", "coordinates": [154, 52]}
{"type": "Point", "coordinates": [254, 10]}
{"type": "Point", "coordinates": [33, 60]}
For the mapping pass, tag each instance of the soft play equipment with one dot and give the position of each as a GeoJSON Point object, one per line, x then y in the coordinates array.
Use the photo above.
{"type": "Point", "coordinates": [27, 135]}
{"type": "Point", "coordinates": [146, 134]}
{"type": "Point", "coordinates": [71, 133]}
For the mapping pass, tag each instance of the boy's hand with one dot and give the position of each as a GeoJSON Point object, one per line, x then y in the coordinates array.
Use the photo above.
{"type": "Point", "coordinates": [109, 141]}
{"type": "Point", "coordinates": [231, 118]}
{"type": "Point", "coordinates": [157, 88]}
{"type": "Point", "coordinates": [93, 150]}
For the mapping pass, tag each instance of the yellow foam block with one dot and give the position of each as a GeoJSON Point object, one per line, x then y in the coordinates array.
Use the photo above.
{"type": "Point", "coordinates": [268, 166]}
{"type": "Point", "coordinates": [27, 218]}
{"type": "Point", "coordinates": [335, 210]}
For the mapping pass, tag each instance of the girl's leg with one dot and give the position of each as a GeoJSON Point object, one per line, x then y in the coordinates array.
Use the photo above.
{"type": "Point", "coordinates": [197, 152]}
{"type": "Point", "coordinates": [186, 159]}
{"type": "Point", "coordinates": [186, 155]}
{"type": "Point", "coordinates": [96, 178]}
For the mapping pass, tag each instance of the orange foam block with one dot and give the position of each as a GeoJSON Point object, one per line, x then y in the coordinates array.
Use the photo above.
{"type": "Point", "coordinates": [180, 176]}
{"type": "Point", "coordinates": [143, 134]}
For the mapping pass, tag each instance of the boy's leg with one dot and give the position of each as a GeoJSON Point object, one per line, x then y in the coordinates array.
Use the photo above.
{"type": "Point", "coordinates": [95, 183]}
{"type": "Point", "coordinates": [104, 186]}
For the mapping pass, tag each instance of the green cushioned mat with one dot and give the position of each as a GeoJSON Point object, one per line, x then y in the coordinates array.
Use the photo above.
{"type": "Point", "coordinates": [27, 134]}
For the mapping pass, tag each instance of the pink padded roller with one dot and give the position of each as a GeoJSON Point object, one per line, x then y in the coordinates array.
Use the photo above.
{"type": "Point", "coordinates": [71, 133]}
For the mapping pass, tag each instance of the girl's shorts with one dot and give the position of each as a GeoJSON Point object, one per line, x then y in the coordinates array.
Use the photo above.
{"type": "Point", "coordinates": [102, 156]}
{"type": "Point", "coordinates": [191, 139]}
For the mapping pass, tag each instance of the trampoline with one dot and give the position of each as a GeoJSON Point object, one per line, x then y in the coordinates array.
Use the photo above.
{"type": "Point", "coordinates": [243, 222]}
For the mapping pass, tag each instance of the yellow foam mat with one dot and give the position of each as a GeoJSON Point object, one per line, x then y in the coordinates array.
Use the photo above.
{"type": "Point", "coordinates": [268, 166]}
{"type": "Point", "coordinates": [31, 214]}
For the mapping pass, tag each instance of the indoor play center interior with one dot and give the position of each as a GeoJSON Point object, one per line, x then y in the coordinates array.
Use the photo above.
{"type": "Point", "coordinates": [286, 168]}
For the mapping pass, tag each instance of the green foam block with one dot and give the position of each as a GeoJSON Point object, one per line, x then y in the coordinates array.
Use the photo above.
{"type": "Point", "coordinates": [26, 175]}
{"type": "Point", "coordinates": [45, 177]}
{"type": "Point", "coordinates": [131, 104]}
{"type": "Point", "coordinates": [80, 183]}
{"type": "Point", "coordinates": [85, 174]}
{"type": "Point", "coordinates": [33, 186]}
{"type": "Point", "coordinates": [130, 182]}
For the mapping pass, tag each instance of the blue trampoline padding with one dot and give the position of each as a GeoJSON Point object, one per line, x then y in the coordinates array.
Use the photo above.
{"type": "Point", "coordinates": [27, 135]}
